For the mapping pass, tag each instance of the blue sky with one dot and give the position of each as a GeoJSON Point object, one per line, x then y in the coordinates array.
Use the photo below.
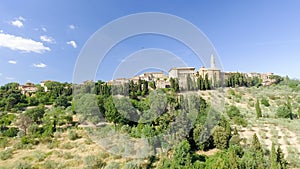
{"type": "Point", "coordinates": [41, 40]}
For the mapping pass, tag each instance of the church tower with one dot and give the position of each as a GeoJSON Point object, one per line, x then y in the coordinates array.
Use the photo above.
{"type": "Point", "coordinates": [212, 61]}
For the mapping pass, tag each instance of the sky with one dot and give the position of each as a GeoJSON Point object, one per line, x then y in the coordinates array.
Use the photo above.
{"type": "Point", "coordinates": [41, 40]}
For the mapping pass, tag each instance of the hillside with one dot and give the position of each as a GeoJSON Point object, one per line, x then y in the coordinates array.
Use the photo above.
{"type": "Point", "coordinates": [57, 137]}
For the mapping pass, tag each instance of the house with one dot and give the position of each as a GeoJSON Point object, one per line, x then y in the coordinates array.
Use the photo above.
{"type": "Point", "coordinates": [43, 84]}
{"type": "Point", "coordinates": [27, 88]}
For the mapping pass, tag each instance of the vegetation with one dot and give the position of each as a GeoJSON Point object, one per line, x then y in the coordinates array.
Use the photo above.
{"type": "Point", "coordinates": [258, 109]}
{"type": "Point", "coordinates": [59, 122]}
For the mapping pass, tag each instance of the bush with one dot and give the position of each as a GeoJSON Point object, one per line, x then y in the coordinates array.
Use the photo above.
{"type": "Point", "coordinates": [3, 142]}
{"type": "Point", "coordinates": [131, 165]}
{"type": "Point", "coordinates": [72, 135]}
{"type": "Point", "coordinates": [284, 112]}
{"type": "Point", "coordinates": [67, 146]}
{"type": "Point", "coordinates": [265, 102]}
{"type": "Point", "coordinates": [49, 164]}
{"type": "Point", "coordinates": [221, 138]}
{"type": "Point", "coordinates": [23, 165]}
{"type": "Point", "coordinates": [11, 132]}
{"type": "Point", "coordinates": [53, 144]}
{"type": "Point", "coordinates": [6, 119]}
{"type": "Point", "coordinates": [92, 161]}
{"type": "Point", "coordinates": [28, 140]}
{"type": "Point", "coordinates": [240, 121]}
{"type": "Point", "coordinates": [6, 154]}
{"type": "Point", "coordinates": [112, 165]}
{"type": "Point", "coordinates": [233, 111]}
{"type": "Point", "coordinates": [40, 156]}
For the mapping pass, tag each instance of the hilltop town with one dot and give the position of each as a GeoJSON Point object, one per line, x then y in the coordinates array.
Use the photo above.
{"type": "Point", "coordinates": [183, 74]}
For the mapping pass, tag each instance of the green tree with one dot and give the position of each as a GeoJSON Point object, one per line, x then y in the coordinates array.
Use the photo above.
{"type": "Point", "coordinates": [220, 137]}
{"type": "Point", "coordinates": [36, 113]}
{"type": "Point", "coordinates": [200, 83]}
{"type": "Point", "coordinates": [258, 109]}
{"type": "Point", "coordinates": [182, 157]}
{"type": "Point", "coordinates": [256, 146]}
{"type": "Point", "coordinates": [87, 109]}
{"type": "Point", "coordinates": [265, 102]}
{"type": "Point", "coordinates": [273, 157]}
{"type": "Point", "coordinates": [285, 111]}
{"type": "Point", "coordinates": [61, 101]}
{"type": "Point", "coordinates": [282, 164]}
{"type": "Point", "coordinates": [233, 111]}
{"type": "Point", "coordinates": [24, 122]}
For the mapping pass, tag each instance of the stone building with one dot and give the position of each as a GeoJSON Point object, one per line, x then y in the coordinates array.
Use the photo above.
{"type": "Point", "coordinates": [181, 74]}
{"type": "Point", "coordinates": [27, 88]}
{"type": "Point", "coordinates": [214, 74]}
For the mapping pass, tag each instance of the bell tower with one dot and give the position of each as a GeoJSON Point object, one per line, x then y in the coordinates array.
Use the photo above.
{"type": "Point", "coordinates": [212, 61]}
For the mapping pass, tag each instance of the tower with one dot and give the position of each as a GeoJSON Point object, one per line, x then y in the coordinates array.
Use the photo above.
{"type": "Point", "coordinates": [212, 61]}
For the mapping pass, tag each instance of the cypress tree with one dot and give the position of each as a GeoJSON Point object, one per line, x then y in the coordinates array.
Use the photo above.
{"type": "Point", "coordinates": [273, 157]}
{"type": "Point", "coordinates": [256, 144]}
{"type": "Point", "coordinates": [258, 109]}
{"type": "Point", "coordinates": [282, 164]}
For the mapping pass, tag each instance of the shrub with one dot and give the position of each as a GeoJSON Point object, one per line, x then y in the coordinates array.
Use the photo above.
{"type": "Point", "coordinates": [53, 144]}
{"type": "Point", "coordinates": [11, 132]}
{"type": "Point", "coordinates": [220, 137]}
{"type": "Point", "coordinates": [112, 165]}
{"type": "Point", "coordinates": [233, 111]}
{"type": "Point", "coordinates": [6, 154]}
{"type": "Point", "coordinates": [67, 155]}
{"type": "Point", "coordinates": [131, 165]}
{"type": "Point", "coordinates": [23, 165]}
{"type": "Point", "coordinates": [283, 112]}
{"type": "Point", "coordinates": [67, 146]}
{"type": "Point", "coordinates": [39, 156]}
{"type": "Point", "coordinates": [28, 140]}
{"type": "Point", "coordinates": [72, 135]}
{"type": "Point", "coordinates": [265, 102]}
{"type": "Point", "coordinates": [234, 140]}
{"type": "Point", "coordinates": [240, 121]}
{"type": "Point", "coordinates": [49, 164]}
{"type": "Point", "coordinates": [92, 161]}
{"type": "Point", "coordinates": [3, 142]}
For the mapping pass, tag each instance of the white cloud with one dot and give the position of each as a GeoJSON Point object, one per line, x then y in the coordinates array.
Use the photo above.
{"type": "Point", "coordinates": [19, 43]}
{"type": "Point", "coordinates": [47, 39]}
{"type": "Point", "coordinates": [0, 74]}
{"type": "Point", "coordinates": [17, 23]}
{"type": "Point", "coordinates": [12, 62]}
{"type": "Point", "coordinates": [72, 26]}
{"type": "Point", "coordinates": [40, 65]}
{"type": "Point", "coordinates": [21, 18]}
{"type": "Point", "coordinates": [44, 29]}
{"type": "Point", "coordinates": [72, 43]}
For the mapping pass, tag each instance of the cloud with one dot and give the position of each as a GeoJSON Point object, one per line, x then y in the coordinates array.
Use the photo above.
{"type": "Point", "coordinates": [44, 29]}
{"type": "Point", "coordinates": [47, 39]}
{"type": "Point", "coordinates": [21, 18]}
{"type": "Point", "coordinates": [72, 43]}
{"type": "Point", "coordinates": [40, 65]}
{"type": "Point", "coordinates": [18, 22]}
{"type": "Point", "coordinates": [72, 26]}
{"type": "Point", "coordinates": [0, 74]}
{"type": "Point", "coordinates": [12, 62]}
{"type": "Point", "coordinates": [19, 43]}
